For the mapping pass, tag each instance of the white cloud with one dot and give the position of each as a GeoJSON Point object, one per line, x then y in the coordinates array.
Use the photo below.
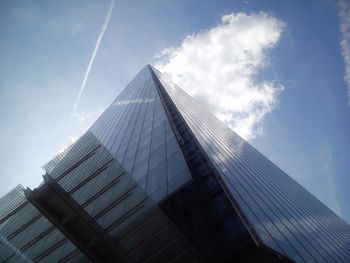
{"type": "Point", "coordinates": [344, 22]}
{"type": "Point", "coordinates": [72, 139]}
{"type": "Point", "coordinates": [326, 156]}
{"type": "Point", "coordinates": [218, 67]}
{"type": "Point", "coordinates": [86, 116]}
{"type": "Point", "coordinates": [82, 115]}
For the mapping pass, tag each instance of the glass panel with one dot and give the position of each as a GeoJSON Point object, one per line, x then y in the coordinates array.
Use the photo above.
{"type": "Point", "coordinates": [295, 222]}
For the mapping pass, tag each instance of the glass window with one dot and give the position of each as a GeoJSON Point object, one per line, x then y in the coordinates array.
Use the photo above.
{"type": "Point", "coordinates": [175, 163]}
{"type": "Point", "coordinates": [156, 178]}
{"type": "Point", "coordinates": [172, 147]}
{"type": "Point", "coordinates": [157, 157]}
{"type": "Point", "coordinates": [140, 169]}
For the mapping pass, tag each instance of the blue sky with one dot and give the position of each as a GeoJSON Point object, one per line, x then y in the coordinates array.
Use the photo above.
{"type": "Point", "coordinates": [292, 102]}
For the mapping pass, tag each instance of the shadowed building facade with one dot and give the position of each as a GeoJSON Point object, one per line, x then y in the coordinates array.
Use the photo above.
{"type": "Point", "coordinates": [158, 178]}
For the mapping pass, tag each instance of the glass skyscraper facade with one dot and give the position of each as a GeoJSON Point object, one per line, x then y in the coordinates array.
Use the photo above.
{"type": "Point", "coordinates": [158, 178]}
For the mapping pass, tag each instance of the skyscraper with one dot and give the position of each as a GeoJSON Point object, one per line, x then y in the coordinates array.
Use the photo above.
{"type": "Point", "coordinates": [157, 178]}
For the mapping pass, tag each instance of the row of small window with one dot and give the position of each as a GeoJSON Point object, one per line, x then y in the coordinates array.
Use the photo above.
{"type": "Point", "coordinates": [85, 169]}
{"type": "Point", "coordinates": [26, 236]}
{"type": "Point", "coordinates": [60, 164]}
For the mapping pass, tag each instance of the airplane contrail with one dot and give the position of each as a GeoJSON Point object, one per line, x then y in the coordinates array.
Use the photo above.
{"type": "Point", "coordinates": [103, 29]}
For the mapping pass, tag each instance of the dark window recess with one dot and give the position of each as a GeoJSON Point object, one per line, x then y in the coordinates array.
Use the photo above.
{"type": "Point", "coordinates": [74, 222]}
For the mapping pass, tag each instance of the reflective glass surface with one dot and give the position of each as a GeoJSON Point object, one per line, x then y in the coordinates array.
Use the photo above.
{"type": "Point", "coordinates": [118, 202]}
{"type": "Point", "coordinates": [286, 217]}
{"type": "Point", "coordinates": [136, 131]}
{"type": "Point", "coordinates": [131, 160]}
{"type": "Point", "coordinates": [27, 236]}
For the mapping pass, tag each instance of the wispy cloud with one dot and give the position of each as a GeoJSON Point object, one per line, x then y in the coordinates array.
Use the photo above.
{"type": "Point", "coordinates": [344, 22]}
{"type": "Point", "coordinates": [218, 67]}
{"type": "Point", "coordinates": [91, 114]}
{"type": "Point", "coordinates": [92, 59]}
{"type": "Point", "coordinates": [72, 139]}
{"type": "Point", "coordinates": [326, 156]}
{"type": "Point", "coordinates": [81, 116]}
